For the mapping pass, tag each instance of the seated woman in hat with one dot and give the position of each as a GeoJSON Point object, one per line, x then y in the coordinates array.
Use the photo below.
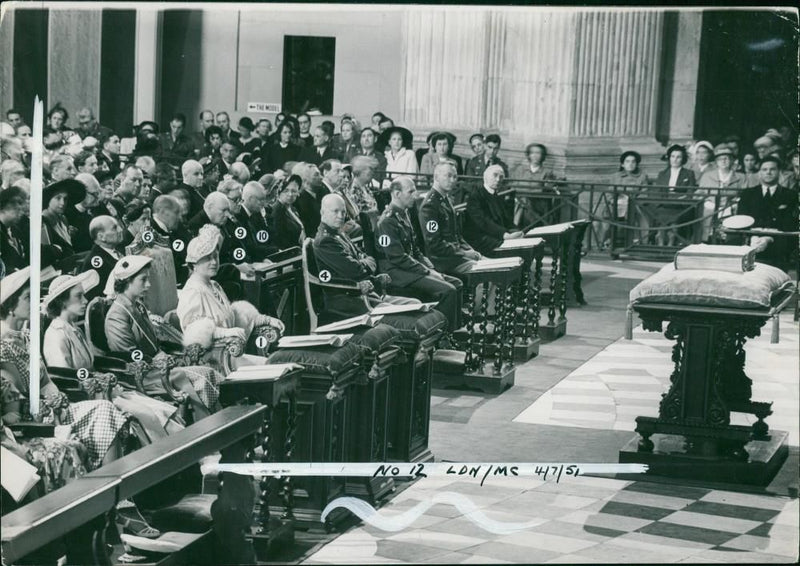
{"type": "Point", "coordinates": [675, 178]}
{"type": "Point", "coordinates": [400, 159]}
{"type": "Point", "coordinates": [98, 425]}
{"type": "Point", "coordinates": [442, 149]}
{"type": "Point", "coordinates": [702, 159]}
{"type": "Point", "coordinates": [65, 345]}
{"type": "Point", "coordinates": [723, 176]}
{"type": "Point", "coordinates": [56, 231]}
{"type": "Point", "coordinates": [204, 311]}
{"type": "Point", "coordinates": [617, 203]}
{"type": "Point", "coordinates": [128, 328]}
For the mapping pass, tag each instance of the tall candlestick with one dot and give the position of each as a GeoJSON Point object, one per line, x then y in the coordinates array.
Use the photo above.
{"type": "Point", "coordinates": [37, 185]}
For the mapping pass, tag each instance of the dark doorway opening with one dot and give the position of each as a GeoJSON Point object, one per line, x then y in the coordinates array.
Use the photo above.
{"type": "Point", "coordinates": [748, 75]}
{"type": "Point", "coordinates": [30, 61]}
{"type": "Point", "coordinates": [308, 71]}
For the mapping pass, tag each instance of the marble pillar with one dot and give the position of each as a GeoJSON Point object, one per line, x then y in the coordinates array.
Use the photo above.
{"type": "Point", "coordinates": [148, 65]}
{"type": "Point", "coordinates": [74, 60]}
{"type": "Point", "coordinates": [6, 62]}
{"type": "Point", "coordinates": [587, 83]}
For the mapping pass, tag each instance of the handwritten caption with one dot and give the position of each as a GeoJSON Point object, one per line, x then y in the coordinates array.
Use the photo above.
{"type": "Point", "coordinates": [483, 471]}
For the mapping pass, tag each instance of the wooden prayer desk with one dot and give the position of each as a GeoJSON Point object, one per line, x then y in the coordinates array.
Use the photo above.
{"type": "Point", "coordinates": [692, 435]}
{"type": "Point", "coordinates": [503, 370]}
{"type": "Point", "coordinates": [557, 237]}
{"type": "Point", "coordinates": [526, 303]}
{"type": "Point", "coordinates": [272, 393]}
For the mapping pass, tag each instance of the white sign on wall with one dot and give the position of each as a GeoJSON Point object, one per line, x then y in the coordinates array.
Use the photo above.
{"type": "Point", "coordinates": [263, 107]}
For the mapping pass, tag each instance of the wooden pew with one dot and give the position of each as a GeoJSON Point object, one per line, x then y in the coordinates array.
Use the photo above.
{"type": "Point", "coordinates": [96, 494]}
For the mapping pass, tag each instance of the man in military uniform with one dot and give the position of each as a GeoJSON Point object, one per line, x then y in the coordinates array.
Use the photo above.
{"type": "Point", "coordinates": [446, 248]}
{"type": "Point", "coordinates": [340, 261]}
{"type": "Point", "coordinates": [400, 256]}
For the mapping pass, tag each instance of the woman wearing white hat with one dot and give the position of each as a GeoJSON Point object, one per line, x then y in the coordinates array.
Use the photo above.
{"type": "Point", "coordinates": [98, 425]}
{"type": "Point", "coordinates": [65, 345]}
{"type": "Point", "coordinates": [204, 311]}
{"type": "Point", "coordinates": [128, 328]}
{"type": "Point", "coordinates": [703, 159]}
{"type": "Point", "coordinates": [722, 176]}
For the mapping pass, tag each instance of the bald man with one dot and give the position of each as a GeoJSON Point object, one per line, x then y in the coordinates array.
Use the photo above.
{"type": "Point", "coordinates": [192, 174]}
{"type": "Point", "coordinates": [107, 234]}
{"type": "Point", "coordinates": [489, 217]}
{"type": "Point", "coordinates": [166, 221]}
{"type": "Point", "coordinates": [345, 263]}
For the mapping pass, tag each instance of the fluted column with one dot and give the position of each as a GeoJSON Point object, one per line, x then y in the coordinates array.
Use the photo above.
{"type": "Point", "coordinates": [617, 73]}
{"type": "Point", "coordinates": [444, 65]}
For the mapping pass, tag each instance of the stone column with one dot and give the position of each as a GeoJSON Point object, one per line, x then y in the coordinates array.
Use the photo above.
{"type": "Point", "coordinates": [615, 90]}
{"type": "Point", "coordinates": [6, 62]}
{"type": "Point", "coordinates": [148, 65]}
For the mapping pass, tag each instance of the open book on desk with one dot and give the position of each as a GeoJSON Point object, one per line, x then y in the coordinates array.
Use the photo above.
{"type": "Point", "coordinates": [496, 264]}
{"type": "Point", "coordinates": [518, 243]}
{"type": "Point", "coordinates": [266, 371]}
{"type": "Point", "coordinates": [397, 309]}
{"type": "Point", "coordinates": [552, 230]}
{"type": "Point", "coordinates": [368, 320]}
{"type": "Point", "coordinates": [309, 341]}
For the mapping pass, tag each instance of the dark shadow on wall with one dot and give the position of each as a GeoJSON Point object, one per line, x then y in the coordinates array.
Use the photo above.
{"type": "Point", "coordinates": [30, 60]}
{"type": "Point", "coordinates": [180, 65]}
{"type": "Point", "coordinates": [118, 70]}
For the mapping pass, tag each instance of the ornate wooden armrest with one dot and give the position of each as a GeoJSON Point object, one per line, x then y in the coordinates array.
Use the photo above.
{"type": "Point", "coordinates": [98, 383]}
{"type": "Point", "coordinates": [225, 350]}
{"type": "Point", "coordinates": [164, 365]}
{"type": "Point", "coordinates": [268, 332]}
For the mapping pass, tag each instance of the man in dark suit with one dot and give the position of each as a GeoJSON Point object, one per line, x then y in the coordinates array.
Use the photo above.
{"type": "Point", "coordinates": [304, 135]}
{"type": "Point", "coordinates": [446, 248]}
{"type": "Point", "coordinates": [488, 218]}
{"type": "Point", "coordinates": [192, 173]}
{"type": "Point", "coordinates": [251, 216]}
{"type": "Point", "coordinates": [309, 201]}
{"type": "Point", "coordinates": [345, 263]}
{"type": "Point", "coordinates": [772, 206]}
{"type": "Point", "coordinates": [198, 138]}
{"type": "Point", "coordinates": [175, 143]}
{"type": "Point", "coordinates": [322, 149]}
{"type": "Point", "coordinates": [80, 215]}
{"type": "Point", "coordinates": [368, 139]}
{"type": "Point", "coordinates": [107, 234]}
{"type": "Point", "coordinates": [167, 223]}
{"type": "Point", "coordinates": [399, 256]}
{"type": "Point", "coordinates": [224, 122]}
{"type": "Point", "coordinates": [14, 248]}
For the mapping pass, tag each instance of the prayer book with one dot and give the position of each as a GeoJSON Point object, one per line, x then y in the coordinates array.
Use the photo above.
{"type": "Point", "coordinates": [18, 476]}
{"type": "Point", "coordinates": [518, 243]}
{"type": "Point", "coordinates": [497, 264]}
{"type": "Point", "coordinates": [386, 308]}
{"type": "Point", "coordinates": [335, 340]}
{"type": "Point", "coordinates": [551, 230]}
{"type": "Point", "coordinates": [262, 372]}
{"type": "Point", "coordinates": [736, 259]}
{"type": "Point", "coordinates": [363, 320]}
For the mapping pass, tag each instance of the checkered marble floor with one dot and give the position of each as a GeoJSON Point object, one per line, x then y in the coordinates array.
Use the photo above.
{"type": "Point", "coordinates": [627, 379]}
{"type": "Point", "coordinates": [583, 520]}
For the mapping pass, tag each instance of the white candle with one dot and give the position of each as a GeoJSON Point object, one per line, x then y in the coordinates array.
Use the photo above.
{"type": "Point", "coordinates": [36, 251]}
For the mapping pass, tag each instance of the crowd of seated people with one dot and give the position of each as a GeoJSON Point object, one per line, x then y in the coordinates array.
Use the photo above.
{"type": "Point", "coordinates": [222, 203]}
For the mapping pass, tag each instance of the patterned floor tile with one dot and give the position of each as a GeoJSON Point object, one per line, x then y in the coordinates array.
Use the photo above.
{"type": "Point", "coordinates": [635, 510]}
{"type": "Point", "coordinates": [513, 552]}
{"type": "Point", "coordinates": [437, 539]}
{"type": "Point", "coordinates": [741, 557]}
{"type": "Point", "coordinates": [774, 545]}
{"type": "Point", "coordinates": [406, 551]}
{"type": "Point", "coordinates": [685, 532]}
{"type": "Point", "coordinates": [734, 511]}
{"type": "Point", "coordinates": [652, 500]}
{"type": "Point", "coordinates": [746, 500]}
{"type": "Point", "coordinates": [603, 520]}
{"type": "Point", "coordinates": [705, 521]}
{"type": "Point", "coordinates": [545, 541]}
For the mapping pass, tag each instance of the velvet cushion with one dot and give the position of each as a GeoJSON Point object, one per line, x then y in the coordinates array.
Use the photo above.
{"type": "Point", "coordinates": [375, 339]}
{"type": "Point", "coordinates": [192, 514]}
{"type": "Point", "coordinates": [324, 360]}
{"type": "Point", "coordinates": [416, 325]}
{"type": "Point", "coordinates": [449, 361]}
{"type": "Point", "coordinates": [750, 290]}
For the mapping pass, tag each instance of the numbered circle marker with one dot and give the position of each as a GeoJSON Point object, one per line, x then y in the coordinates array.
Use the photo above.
{"type": "Point", "coordinates": [137, 356]}
{"type": "Point", "coordinates": [324, 275]}
{"type": "Point", "coordinates": [238, 254]}
{"type": "Point", "coordinates": [97, 261]}
{"type": "Point", "coordinates": [178, 245]}
{"type": "Point", "coordinates": [83, 373]}
{"type": "Point", "coordinates": [262, 236]}
{"type": "Point", "coordinates": [241, 232]}
{"type": "Point", "coordinates": [384, 240]}
{"type": "Point", "coordinates": [261, 342]}
{"type": "Point", "coordinates": [432, 226]}
{"type": "Point", "coordinates": [148, 237]}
